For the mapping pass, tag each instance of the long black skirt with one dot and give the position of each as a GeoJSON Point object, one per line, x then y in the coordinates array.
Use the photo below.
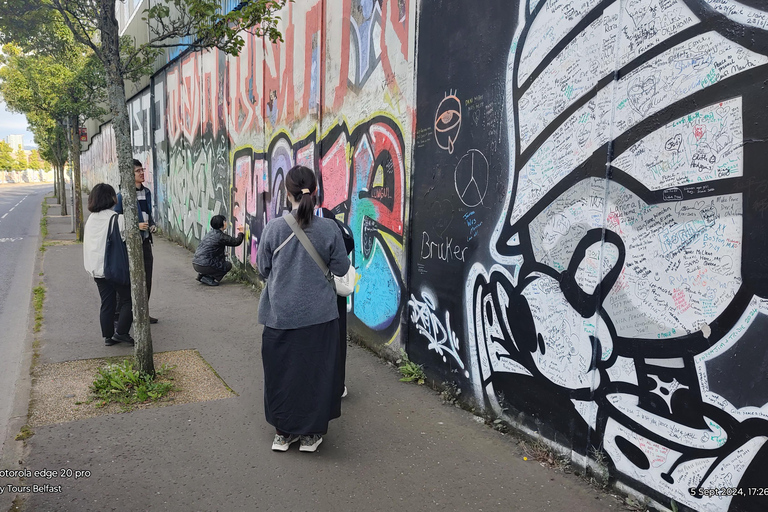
{"type": "Point", "coordinates": [301, 378]}
{"type": "Point", "coordinates": [341, 304]}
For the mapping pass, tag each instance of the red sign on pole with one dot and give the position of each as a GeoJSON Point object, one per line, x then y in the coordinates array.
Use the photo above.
{"type": "Point", "coordinates": [83, 134]}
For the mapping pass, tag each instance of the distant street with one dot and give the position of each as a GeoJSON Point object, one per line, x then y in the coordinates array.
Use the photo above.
{"type": "Point", "coordinates": [20, 213]}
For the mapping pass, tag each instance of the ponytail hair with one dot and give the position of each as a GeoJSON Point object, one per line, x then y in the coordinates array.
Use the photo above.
{"type": "Point", "coordinates": [301, 183]}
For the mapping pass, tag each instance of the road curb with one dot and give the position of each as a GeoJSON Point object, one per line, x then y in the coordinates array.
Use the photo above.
{"type": "Point", "coordinates": [15, 452]}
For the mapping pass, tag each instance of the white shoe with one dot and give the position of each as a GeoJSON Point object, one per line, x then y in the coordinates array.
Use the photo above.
{"type": "Point", "coordinates": [344, 394]}
{"type": "Point", "coordinates": [282, 443]}
{"type": "Point", "coordinates": [310, 443]}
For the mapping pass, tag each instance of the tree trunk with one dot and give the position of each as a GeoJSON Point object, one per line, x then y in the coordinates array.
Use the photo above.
{"type": "Point", "coordinates": [63, 191]}
{"type": "Point", "coordinates": [74, 135]}
{"type": "Point", "coordinates": [120, 120]}
{"type": "Point", "coordinates": [56, 181]}
{"type": "Point", "coordinates": [57, 170]}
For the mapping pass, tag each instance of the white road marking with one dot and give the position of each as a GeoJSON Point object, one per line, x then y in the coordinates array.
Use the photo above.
{"type": "Point", "coordinates": [10, 239]}
{"type": "Point", "coordinates": [14, 207]}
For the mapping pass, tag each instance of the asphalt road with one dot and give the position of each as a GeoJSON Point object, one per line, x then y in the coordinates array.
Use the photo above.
{"type": "Point", "coordinates": [20, 210]}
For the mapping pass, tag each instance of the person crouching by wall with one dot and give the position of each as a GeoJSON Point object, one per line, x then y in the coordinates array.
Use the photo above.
{"type": "Point", "coordinates": [210, 262]}
{"type": "Point", "coordinates": [100, 203]}
{"type": "Point", "coordinates": [300, 342]}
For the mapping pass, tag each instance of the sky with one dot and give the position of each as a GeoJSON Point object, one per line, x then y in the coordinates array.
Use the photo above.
{"type": "Point", "coordinates": [14, 123]}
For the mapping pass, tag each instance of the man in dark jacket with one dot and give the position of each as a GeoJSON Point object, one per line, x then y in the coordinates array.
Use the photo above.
{"type": "Point", "coordinates": [210, 260]}
{"type": "Point", "coordinates": [146, 222]}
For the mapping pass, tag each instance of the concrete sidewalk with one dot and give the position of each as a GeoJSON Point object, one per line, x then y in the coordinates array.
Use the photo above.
{"type": "Point", "coordinates": [396, 446]}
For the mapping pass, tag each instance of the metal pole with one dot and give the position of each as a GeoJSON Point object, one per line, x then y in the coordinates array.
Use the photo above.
{"type": "Point", "coordinates": [72, 184]}
{"type": "Point", "coordinates": [69, 151]}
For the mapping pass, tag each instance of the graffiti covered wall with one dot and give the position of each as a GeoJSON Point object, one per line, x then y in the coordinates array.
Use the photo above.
{"type": "Point", "coordinates": [337, 97]}
{"type": "Point", "coordinates": [577, 242]}
{"type": "Point", "coordinates": [217, 133]}
{"type": "Point", "coordinates": [597, 183]}
{"type": "Point", "coordinates": [99, 163]}
{"type": "Point", "coordinates": [191, 145]}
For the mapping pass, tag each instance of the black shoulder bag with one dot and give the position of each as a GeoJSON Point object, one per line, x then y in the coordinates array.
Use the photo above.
{"type": "Point", "coordinates": [116, 256]}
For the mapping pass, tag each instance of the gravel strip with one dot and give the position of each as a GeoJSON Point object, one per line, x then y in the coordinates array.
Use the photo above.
{"type": "Point", "coordinates": [58, 388]}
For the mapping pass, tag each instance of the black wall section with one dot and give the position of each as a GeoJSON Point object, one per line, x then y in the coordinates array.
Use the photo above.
{"type": "Point", "coordinates": [588, 231]}
{"type": "Point", "coordinates": [460, 169]}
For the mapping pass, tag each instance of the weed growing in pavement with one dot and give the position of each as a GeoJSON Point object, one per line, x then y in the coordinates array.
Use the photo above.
{"type": "Point", "coordinates": [121, 383]}
{"type": "Point", "coordinates": [44, 227]}
{"type": "Point", "coordinates": [25, 433]}
{"type": "Point", "coordinates": [598, 455]}
{"type": "Point", "coordinates": [450, 393]}
{"type": "Point", "coordinates": [38, 299]}
{"type": "Point", "coordinates": [635, 505]}
{"type": "Point", "coordinates": [237, 275]}
{"type": "Point", "coordinates": [44, 220]}
{"type": "Point", "coordinates": [543, 453]}
{"type": "Point", "coordinates": [240, 276]}
{"type": "Point", "coordinates": [411, 371]}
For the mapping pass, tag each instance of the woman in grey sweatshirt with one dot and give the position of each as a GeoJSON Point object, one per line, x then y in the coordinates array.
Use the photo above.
{"type": "Point", "coordinates": [298, 309]}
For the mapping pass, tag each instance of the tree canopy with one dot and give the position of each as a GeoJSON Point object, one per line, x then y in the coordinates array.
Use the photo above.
{"type": "Point", "coordinates": [194, 24]}
{"type": "Point", "coordinates": [7, 161]}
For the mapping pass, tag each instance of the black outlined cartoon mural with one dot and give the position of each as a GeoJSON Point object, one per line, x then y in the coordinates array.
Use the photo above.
{"type": "Point", "coordinates": [618, 295]}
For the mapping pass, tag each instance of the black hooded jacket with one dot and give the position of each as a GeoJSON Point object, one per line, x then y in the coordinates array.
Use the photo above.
{"type": "Point", "coordinates": [210, 252]}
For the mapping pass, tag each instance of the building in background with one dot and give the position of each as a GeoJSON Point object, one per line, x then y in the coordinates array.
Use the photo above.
{"type": "Point", "coordinates": [15, 141]}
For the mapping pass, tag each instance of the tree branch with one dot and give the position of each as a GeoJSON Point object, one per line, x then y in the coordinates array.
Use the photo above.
{"type": "Point", "coordinates": [83, 37]}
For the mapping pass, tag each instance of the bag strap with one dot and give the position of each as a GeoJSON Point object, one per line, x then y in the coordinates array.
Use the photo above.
{"type": "Point", "coordinates": [284, 243]}
{"type": "Point", "coordinates": [112, 224]}
{"type": "Point", "coordinates": [291, 220]}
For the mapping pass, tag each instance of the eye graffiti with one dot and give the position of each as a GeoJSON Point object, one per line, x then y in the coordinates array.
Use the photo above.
{"type": "Point", "coordinates": [448, 122]}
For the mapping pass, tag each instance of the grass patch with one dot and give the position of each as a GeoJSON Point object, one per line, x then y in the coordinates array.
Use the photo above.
{"type": "Point", "coordinates": [237, 275]}
{"type": "Point", "coordinates": [122, 384]}
{"type": "Point", "coordinates": [44, 227]}
{"type": "Point", "coordinates": [38, 299]}
{"type": "Point", "coordinates": [240, 276]}
{"type": "Point", "coordinates": [411, 371]}
{"type": "Point", "coordinates": [44, 220]}
{"type": "Point", "coordinates": [25, 433]}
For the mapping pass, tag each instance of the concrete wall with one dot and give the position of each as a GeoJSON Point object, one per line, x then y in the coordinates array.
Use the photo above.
{"type": "Point", "coordinates": [565, 218]}
{"type": "Point", "coordinates": [26, 176]}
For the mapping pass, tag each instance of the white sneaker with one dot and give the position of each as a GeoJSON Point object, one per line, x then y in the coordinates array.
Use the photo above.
{"type": "Point", "coordinates": [282, 443]}
{"type": "Point", "coordinates": [344, 394]}
{"type": "Point", "coordinates": [310, 443]}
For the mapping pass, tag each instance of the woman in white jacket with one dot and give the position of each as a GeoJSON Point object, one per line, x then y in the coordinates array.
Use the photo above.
{"type": "Point", "coordinates": [100, 203]}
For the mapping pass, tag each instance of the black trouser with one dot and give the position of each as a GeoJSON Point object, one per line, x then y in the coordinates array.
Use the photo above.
{"type": "Point", "coordinates": [216, 273]}
{"type": "Point", "coordinates": [149, 262]}
{"type": "Point", "coordinates": [111, 295]}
